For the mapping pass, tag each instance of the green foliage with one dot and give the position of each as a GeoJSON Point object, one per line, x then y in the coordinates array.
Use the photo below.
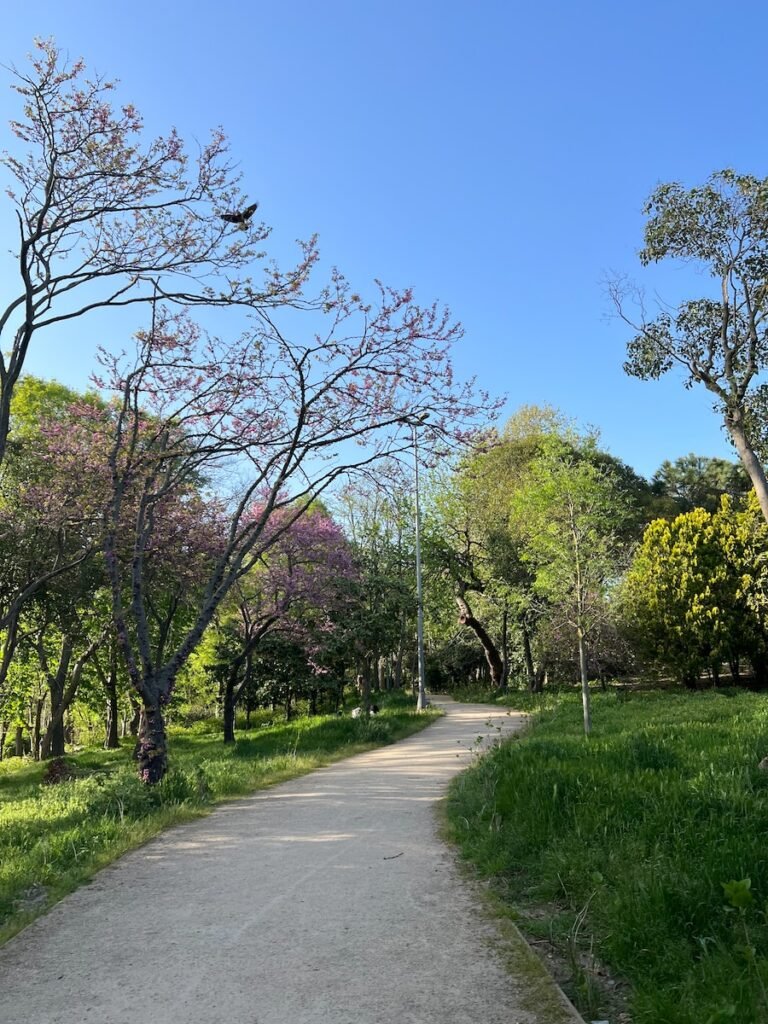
{"type": "Point", "coordinates": [647, 827]}
{"type": "Point", "coordinates": [696, 592]}
{"type": "Point", "coordinates": [720, 340]}
{"type": "Point", "coordinates": [696, 482]}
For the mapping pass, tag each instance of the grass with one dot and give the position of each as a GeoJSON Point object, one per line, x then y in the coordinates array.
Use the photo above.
{"type": "Point", "coordinates": [616, 850]}
{"type": "Point", "coordinates": [55, 837]}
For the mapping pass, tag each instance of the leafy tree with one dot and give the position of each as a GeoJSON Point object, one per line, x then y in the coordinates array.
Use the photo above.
{"type": "Point", "coordinates": [719, 340]}
{"type": "Point", "coordinates": [571, 515]}
{"type": "Point", "coordinates": [694, 481]}
{"type": "Point", "coordinates": [377, 517]}
{"type": "Point", "coordinates": [480, 548]}
{"type": "Point", "coordinates": [300, 582]}
{"type": "Point", "coordinates": [49, 511]}
{"type": "Point", "coordinates": [274, 410]}
{"type": "Point", "coordinates": [696, 592]}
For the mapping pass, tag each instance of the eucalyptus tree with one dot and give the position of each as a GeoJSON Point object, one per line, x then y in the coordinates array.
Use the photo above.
{"type": "Point", "coordinates": [719, 340]}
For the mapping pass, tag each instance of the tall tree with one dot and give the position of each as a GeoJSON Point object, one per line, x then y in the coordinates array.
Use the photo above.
{"type": "Point", "coordinates": [721, 339]}
{"type": "Point", "coordinates": [571, 517]}
{"type": "Point", "coordinates": [277, 415]}
{"type": "Point", "coordinates": [298, 588]}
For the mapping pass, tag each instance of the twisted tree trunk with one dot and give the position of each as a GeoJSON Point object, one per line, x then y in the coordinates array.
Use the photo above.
{"type": "Point", "coordinates": [492, 656]}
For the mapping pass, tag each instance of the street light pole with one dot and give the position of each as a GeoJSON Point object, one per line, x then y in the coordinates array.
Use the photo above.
{"type": "Point", "coordinates": [422, 701]}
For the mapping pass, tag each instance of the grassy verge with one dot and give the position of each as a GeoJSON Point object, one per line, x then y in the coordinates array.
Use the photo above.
{"type": "Point", "coordinates": [54, 837]}
{"type": "Point", "coordinates": [618, 854]}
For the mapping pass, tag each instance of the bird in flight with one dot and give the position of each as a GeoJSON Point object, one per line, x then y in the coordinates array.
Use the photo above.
{"type": "Point", "coordinates": [241, 217]}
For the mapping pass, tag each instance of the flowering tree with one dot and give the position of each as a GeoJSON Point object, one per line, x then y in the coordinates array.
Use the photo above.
{"type": "Point", "coordinates": [106, 219]}
{"type": "Point", "coordinates": [270, 420]}
{"type": "Point", "coordinates": [298, 588]}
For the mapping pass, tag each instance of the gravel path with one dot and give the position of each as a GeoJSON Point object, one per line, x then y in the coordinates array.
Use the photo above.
{"type": "Point", "coordinates": [326, 900]}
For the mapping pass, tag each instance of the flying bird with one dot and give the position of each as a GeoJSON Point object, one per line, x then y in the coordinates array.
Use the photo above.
{"type": "Point", "coordinates": [241, 217]}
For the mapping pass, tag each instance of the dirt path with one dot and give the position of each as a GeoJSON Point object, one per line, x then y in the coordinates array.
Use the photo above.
{"type": "Point", "coordinates": [325, 900]}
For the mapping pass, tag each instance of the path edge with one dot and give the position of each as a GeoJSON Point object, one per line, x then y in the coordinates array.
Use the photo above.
{"type": "Point", "coordinates": [539, 992]}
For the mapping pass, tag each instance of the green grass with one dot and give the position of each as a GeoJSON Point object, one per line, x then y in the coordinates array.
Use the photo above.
{"type": "Point", "coordinates": [621, 844]}
{"type": "Point", "coordinates": [54, 837]}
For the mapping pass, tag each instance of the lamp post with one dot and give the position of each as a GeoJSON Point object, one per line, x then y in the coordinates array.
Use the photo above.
{"type": "Point", "coordinates": [413, 423]}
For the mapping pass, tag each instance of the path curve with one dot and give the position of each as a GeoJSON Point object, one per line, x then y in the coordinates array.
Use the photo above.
{"type": "Point", "coordinates": [329, 899]}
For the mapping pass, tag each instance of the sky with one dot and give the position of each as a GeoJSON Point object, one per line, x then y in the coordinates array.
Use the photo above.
{"type": "Point", "coordinates": [493, 155]}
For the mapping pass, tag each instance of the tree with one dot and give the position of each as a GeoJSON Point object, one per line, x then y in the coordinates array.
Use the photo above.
{"type": "Point", "coordinates": [696, 592]}
{"type": "Point", "coordinates": [571, 517]}
{"type": "Point", "coordinates": [109, 220]}
{"type": "Point", "coordinates": [694, 481]}
{"type": "Point", "coordinates": [719, 340]}
{"type": "Point", "coordinates": [295, 589]}
{"type": "Point", "coordinates": [49, 508]}
{"type": "Point", "coordinates": [377, 517]}
{"type": "Point", "coordinates": [276, 415]}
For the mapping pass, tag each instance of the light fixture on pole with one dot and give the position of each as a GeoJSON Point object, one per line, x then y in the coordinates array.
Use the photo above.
{"type": "Point", "coordinates": [414, 422]}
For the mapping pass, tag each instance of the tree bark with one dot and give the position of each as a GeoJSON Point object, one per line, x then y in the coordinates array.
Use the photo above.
{"type": "Point", "coordinates": [734, 421]}
{"type": "Point", "coordinates": [112, 710]}
{"type": "Point", "coordinates": [585, 700]}
{"type": "Point", "coordinates": [37, 727]}
{"type": "Point", "coordinates": [530, 670]}
{"type": "Point", "coordinates": [228, 709]}
{"type": "Point", "coordinates": [152, 750]}
{"type": "Point", "coordinates": [63, 686]}
{"type": "Point", "coordinates": [503, 685]}
{"type": "Point", "coordinates": [492, 656]}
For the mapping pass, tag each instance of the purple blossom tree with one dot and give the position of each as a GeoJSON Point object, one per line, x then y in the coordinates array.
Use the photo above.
{"type": "Point", "coordinates": [269, 421]}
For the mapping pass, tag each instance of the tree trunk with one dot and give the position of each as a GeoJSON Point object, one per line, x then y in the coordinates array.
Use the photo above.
{"type": "Point", "coordinates": [364, 690]}
{"type": "Point", "coordinates": [112, 710]}
{"type": "Point", "coordinates": [530, 670]}
{"type": "Point", "coordinates": [492, 656]}
{"type": "Point", "coordinates": [19, 741]}
{"type": "Point", "coordinates": [63, 686]}
{"type": "Point", "coordinates": [228, 709]}
{"type": "Point", "coordinates": [152, 750]}
{"type": "Point", "coordinates": [760, 668]}
{"type": "Point", "coordinates": [37, 722]}
{"type": "Point", "coordinates": [503, 685]}
{"type": "Point", "coordinates": [585, 701]}
{"type": "Point", "coordinates": [111, 737]}
{"type": "Point", "coordinates": [734, 421]}
{"type": "Point", "coordinates": [135, 722]}
{"type": "Point", "coordinates": [735, 666]}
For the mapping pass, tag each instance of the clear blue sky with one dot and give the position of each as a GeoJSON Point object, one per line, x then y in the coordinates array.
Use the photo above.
{"type": "Point", "coordinates": [495, 155]}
